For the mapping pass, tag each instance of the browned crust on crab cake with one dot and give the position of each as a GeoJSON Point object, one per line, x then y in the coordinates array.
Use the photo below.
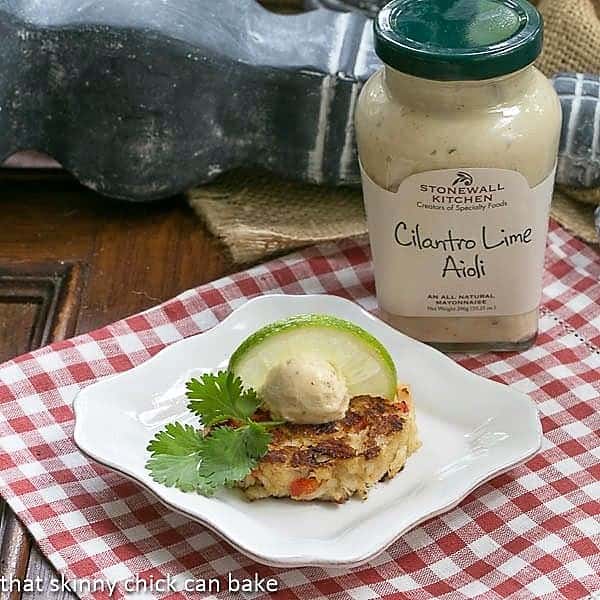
{"type": "Point", "coordinates": [337, 460]}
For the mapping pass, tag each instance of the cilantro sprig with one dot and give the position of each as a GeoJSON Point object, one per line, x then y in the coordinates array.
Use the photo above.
{"type": "Point", "coordinates": [225, 452]}
{"type": "Point", "coordinates": [221, 397]}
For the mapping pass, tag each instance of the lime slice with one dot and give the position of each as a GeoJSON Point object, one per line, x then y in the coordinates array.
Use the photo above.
{"type": "Point", "coordinates": [357, 356]}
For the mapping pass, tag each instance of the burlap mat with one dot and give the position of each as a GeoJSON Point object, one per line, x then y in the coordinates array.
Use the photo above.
{"type": "Point", "coordinates": [257, 215]}
{"type": "Point", "coordinates": [572, 36]}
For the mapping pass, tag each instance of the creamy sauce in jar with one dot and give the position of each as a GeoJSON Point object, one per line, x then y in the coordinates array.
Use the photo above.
{"type": "Point", "coordinates": [457, 176]}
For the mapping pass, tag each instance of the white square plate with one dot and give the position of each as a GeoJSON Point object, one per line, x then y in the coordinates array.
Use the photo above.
{"type": "Point", "coordinates": [471, 428]}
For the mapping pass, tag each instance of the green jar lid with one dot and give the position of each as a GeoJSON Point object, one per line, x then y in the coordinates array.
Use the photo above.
{"type": "Point", "coordinates": [458, 40]}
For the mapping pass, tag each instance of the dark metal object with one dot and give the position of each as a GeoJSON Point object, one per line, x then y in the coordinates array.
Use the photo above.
{"type": "Point", "coordinates": [147, 99]}
{"type": "Point", "coordinates": [579, 154]}
{"type": "Point", "coordinates": [141, 100]}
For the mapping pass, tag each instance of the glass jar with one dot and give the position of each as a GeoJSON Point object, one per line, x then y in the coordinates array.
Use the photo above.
{"type": "Point", "coordinates": [458, 137]}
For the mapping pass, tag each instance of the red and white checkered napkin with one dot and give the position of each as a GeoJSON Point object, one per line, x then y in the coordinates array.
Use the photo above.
{"type": "Point", "coordinates": [531, 533]}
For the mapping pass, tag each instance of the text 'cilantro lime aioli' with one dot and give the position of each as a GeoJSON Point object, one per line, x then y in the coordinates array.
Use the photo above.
{"type": "Point", "coordinates": [457, 137]}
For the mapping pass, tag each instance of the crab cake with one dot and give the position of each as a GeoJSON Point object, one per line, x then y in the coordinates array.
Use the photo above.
{"type": "Point", "coordinates": [334, 461]}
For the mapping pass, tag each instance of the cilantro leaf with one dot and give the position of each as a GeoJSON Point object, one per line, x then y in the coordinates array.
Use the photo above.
{"type": "Point", "coordinates": [220, 397]}
{"type": "Point", "coordinates": [229, 455]}
{"type": "Point", "coordinates": [182, 457]}
{"type": "Point", "coordinates": [257, 440]}
{"type": "Point", "coordinates": [176, 439]}
{"type": "Point", "coordinates": [178, 471]}
{"type": "Point", "coordinates": [176, 456]}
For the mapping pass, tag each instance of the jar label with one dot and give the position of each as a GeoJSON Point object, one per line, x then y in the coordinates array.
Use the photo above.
{"type": "Point", "coordinates": [459, 242]}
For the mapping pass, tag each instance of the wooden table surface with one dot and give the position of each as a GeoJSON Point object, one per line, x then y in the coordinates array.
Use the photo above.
{"type": "Point", "coordinates": [72, 261]}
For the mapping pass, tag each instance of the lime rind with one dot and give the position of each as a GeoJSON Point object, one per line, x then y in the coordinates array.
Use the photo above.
{"type": "Point", "coordinates": [361, 356]}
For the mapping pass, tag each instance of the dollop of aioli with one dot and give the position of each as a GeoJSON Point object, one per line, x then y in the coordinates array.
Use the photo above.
{"type": "Point", "coordinates": [305, 390]}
